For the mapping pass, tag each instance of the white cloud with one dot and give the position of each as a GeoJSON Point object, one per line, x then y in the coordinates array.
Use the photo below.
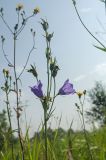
{"type": "Point", "coordinates": [85, 10]}
{"type": "Point", "coordinates": [100, 69]}
{"type": "Point", "coordinates": [79, 78]}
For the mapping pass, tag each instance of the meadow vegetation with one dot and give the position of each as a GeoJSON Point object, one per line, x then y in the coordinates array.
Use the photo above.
{"type": "Point", "coordinates": [47, 143]}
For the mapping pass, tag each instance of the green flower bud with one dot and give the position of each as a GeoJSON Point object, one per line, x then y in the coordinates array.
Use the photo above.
{"type": "Point", "coordinates": [49, 36]}
{"type": "Point", "coordinates": [45, 25]}
{"type": "Point", "coordinates": [33, 71]}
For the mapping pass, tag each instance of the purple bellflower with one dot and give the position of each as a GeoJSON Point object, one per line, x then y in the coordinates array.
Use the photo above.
{"type": "Point", "coordinates": [66, 89]}
{"type": "Point", "coordinates": [37, 89]}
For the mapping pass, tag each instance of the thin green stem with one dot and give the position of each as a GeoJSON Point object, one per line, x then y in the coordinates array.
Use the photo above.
{"type": "Point", "coordinates": [5, 56]}
{"type": "Point", "coordinates": [33, 47]}
{"type": "Point", "coordinates": [18, 18]}
{"type": "Point", "coordinates": [87, 28]}
{"type": "Point", "coordinates": [54, 96]}
{"type": "Point", "coordinates": [17, 99]}
{"type": "Point", "coordinates": [84, 129]}
{"type": "Point", "coordinates": [48, 78]}
{"type": "Point", "coordinates": [48, 74]}
{"type": "Point", "coordinates": [50, 84]}
{"type": "Point", "coordinates": [45, 136]}
{"type": "Point", "coordinates": [6, 24]}
{"type": "Point", "coordinates": [23, 25]}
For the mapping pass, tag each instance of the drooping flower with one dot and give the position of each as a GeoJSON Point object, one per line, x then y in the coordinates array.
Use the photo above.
{"type": "Point", "coordinates": [37, 89]}
{"type": "Point", "coordinates": [66, 89]}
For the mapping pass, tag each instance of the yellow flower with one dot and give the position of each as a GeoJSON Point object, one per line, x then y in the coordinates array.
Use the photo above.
{"type": "Point", "coordinates": [19, 7]}
{"type": "Point", "coordinates": [79, 94]}
{"type": "Point", "coordinates": [36, 10]}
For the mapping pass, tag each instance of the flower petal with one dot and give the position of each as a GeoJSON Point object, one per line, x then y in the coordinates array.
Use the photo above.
{"type": "Point", "coordinates": [37, 89]}
{"type": "Point", "coordinates": [66, 89]}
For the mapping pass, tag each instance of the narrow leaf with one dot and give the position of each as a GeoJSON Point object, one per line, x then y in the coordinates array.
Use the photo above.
{"type": "Point", "coordinates": [102, 49]}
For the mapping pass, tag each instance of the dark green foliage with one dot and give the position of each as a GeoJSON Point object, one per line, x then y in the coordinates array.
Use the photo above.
{"type": "Point", "coordinates": [3, 128]}
{"type": "Point", "coordinates": [5, 133]}
{"type": "Point", "coordinates": [51, 134]}
{"type": "Point", "coordinates": [98, 100]}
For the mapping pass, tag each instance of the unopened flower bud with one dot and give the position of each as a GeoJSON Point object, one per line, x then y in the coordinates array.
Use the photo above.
{"type": "Point", "coordinates": [3, 39]}
{"type": "Point", "coordinates": [55, 70]}
{"type": "Point", "coordinates": [31, 30]}
{"type": "Point", "coordinates": [84, 92]}
{"type": "Point", "coordinates": [4, 71]}
{"type": "Point", "coordinates": [16, 27]}
{"type": "Point", "coordinates": [7, 73]}
{"type": "Point", "coordinates": [1, 11]}
{"type": "Point", "coordinates": [78, 107]}
{"type": "Point", "coordinates": [45, 25]}
{"type": "Point", "coordinates": [33, 71]}
{"type": "Point", "coordinates": [49, 36]}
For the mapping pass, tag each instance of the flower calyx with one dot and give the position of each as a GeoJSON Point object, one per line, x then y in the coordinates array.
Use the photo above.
{"type": "Point", "coordinates": [45, 25]}
{"type": "Point", "coordinates": [33, 71]}
{"type": "Point", "coordinates": [49, 36]}
{"type": "Point", "coordinates": [53, 68]}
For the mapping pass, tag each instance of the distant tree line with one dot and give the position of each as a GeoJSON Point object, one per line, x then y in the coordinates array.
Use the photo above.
{"type": "Point", "coordinates": [97, 100]}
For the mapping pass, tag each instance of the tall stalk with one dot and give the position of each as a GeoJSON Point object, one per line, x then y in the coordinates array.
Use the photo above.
{"type": "Point", "coordinates": [81, 111]}
{"type": "Point", "coordinates": [17, 99]}
{"type": "Point", "coordinates": [18, 28]}
{"type": "Point", "coordinates": [52, 69]}
{"type": "Point", "coordinates": [45, 134]}
{"type": "Point", "coordinates": [47, 100]}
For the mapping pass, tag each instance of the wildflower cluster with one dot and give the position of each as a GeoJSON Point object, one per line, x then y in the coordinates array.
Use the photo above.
{"type": "Point", "coordinates": [47, 98]}
{"type": "Point", "coordinates": [52, 70]}
{"type": "Point", "coordinates": [12, 84]}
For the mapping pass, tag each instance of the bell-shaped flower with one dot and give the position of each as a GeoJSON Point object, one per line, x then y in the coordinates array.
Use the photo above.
{"type": "Point", "coordinates": [37, 89]}
{"type": "Point", "coordinates": [66, 89]}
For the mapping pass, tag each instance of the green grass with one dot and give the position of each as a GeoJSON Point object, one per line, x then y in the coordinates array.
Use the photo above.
{"type": "Point", "coordinates": [60, 146]}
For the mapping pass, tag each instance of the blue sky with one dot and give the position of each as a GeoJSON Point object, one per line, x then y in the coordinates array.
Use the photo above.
{"type": "Point", "coordinates": [73, 47]}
